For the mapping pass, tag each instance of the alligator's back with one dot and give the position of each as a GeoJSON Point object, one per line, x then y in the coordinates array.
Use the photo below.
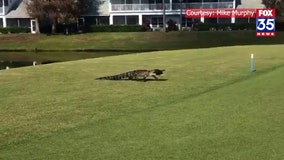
{"type": "Point", "coordinates": [126, 75]}
{"type": "Point", "coordinates": [134, 75]}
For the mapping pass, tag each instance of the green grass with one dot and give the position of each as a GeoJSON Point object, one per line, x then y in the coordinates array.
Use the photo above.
{"type": "Point", "coordinates": [21, 47]}
{"type": "Point", "coordinates": [135, 40]}
{"type": "Point", "coordinates": [209, 107]}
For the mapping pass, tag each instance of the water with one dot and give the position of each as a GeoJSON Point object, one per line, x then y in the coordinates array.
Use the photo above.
{"type": "Point", "coordinates": [17, 64]}
{"type": "Point", "coordinates": [22, 59]}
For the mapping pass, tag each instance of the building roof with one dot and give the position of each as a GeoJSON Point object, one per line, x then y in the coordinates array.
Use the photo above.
{"type": "Point", "coordinates": [19, 12]}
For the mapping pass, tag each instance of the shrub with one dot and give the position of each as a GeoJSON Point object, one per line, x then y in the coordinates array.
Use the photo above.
{"type": "Point", "coordinates": [14, 30]}
{"type": "Point", "coordinates": [146, 25]}
{"type": "Point", "coordinates": [225, 26]}
{"type": "Point", "coordinates": [279, 26]}
{"type": "Point", "coordinates": [172, 26]}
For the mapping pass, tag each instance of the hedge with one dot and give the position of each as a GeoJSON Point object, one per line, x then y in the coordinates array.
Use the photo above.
{"type": "Point", "coordinates": [14, 30]}
{"type": "Point", "coordinates": [233, 26]}
{"type": "Point", "coordinates": [225, 26]}
{"type": "Point", "coordinates": [279, 26]}
{"type": "Point", "coordinates": [115, 28]}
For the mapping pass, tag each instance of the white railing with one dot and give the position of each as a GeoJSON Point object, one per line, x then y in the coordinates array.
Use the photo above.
{"type": "Point", "coordinates": [138, 7]}
{"type": "Point", "coordinates": [174, 6]}
{"type": "Point", "coordinates": [207, 5]}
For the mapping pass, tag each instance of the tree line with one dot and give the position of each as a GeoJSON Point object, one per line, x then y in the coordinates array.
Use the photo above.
{"type": "Point", "coordinates": [278, 5]}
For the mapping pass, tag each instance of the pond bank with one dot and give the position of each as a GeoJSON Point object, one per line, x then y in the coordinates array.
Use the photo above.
{"type": "Point", "coordinates": [21, 59]}
{"type": "Point", "coordinates": [77, 50]}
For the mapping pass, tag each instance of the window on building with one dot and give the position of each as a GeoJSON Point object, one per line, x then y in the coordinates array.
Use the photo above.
{"type": "Point", "coordinates": [157, 21]}
{"type": "Point", "coordinates": [210, 0]}
{"type": "Point", "coordinates": [145, 1]}
{"type": "Point", "coordinates": [104, 20]}
{"type": "Point", "coordinates": [245, 20]}
{"type": "Point", "coordinates": [1, 22]}
{"type": "Point", "coordinates": [129, 1]}
{"type": "Point", "coordinates": [12, 22]}
{"type": "Point", "coordinates": [188, 1]}
{"type": "Point", "coordinates": [226, 0]}
{"type": "Point", "coordinates": [241, 20]}
{"type": "Point", "coordinates": [132, 1]}
{"type": "Point", "coordinates": [177, 1]}
{"type": "Point", "coordinates": [154, 21]}
{"type": "Point", "coordinates": [119, 20]}
{"type": "Point", "coordinates": [161, 1]}
{"type": "Point", "coordinates": [24, 22]}
{"type": "Point", "coordinates": [6, 2]}
{"type": "Point", "coordinates": [95, 20]}
{"type": "Point", "coordinates": [224, 20]}
{"type": "Point", "coordinates": [132, 20]}
{"type": "Point", "coordinates": [187, 22]}
{"type": "Point", "coordinates": [118, 1]}
{"type": "Point", "coordinates": [210, 20]}
{"type": "Point", "coordinates": [152, 1]}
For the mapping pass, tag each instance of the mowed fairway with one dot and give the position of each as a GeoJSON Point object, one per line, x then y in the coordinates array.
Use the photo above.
{"type": "Point", "coordinates": [207, 106]}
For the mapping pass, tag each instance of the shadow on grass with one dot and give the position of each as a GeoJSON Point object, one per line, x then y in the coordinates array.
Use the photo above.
{"type": "Point", "coordinates": [150, 80]}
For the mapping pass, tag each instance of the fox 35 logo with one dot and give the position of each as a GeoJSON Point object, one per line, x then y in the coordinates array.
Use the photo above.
{"type": "Point", "coordinates": [265, 22]}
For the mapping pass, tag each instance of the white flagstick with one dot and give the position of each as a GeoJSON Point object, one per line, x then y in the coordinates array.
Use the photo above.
{"type": "Point", "coordinates": [252, 63]}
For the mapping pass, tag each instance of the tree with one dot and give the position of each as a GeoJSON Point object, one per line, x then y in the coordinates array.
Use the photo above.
{"type": "Point", "coordinates": [269, 3]}
{"type": "Point", "coordinates": [57, 11]}
{"type": "Point", "coordinates": [171, 26]}
{"type": "Point", "coordinates": [35, 11]}
{"type": "Point", "coordinates": [276, 4]}
{"type": "Point", "coordinates": [279, 5]}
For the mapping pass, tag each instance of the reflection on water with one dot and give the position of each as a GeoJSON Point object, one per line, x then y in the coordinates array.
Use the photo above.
{"type": "Point", "coordinates": [22, 59]}
{"type": "Point", "coordinates": [16, 64]}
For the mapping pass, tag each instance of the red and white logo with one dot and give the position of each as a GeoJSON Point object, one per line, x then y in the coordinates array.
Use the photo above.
{"type": "Point", "coordinates": [267, 13]}
{"type": "Point", "coordinates": [265, 22]}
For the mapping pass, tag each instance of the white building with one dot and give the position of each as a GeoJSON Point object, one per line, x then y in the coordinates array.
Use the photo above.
{"type": "Point", "coordinates": [13, 12]}
{"type": "Point", "coordinates": [136, 11]}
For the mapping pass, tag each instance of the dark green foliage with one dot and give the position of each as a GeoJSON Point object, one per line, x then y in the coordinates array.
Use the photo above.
{"type": "Point", "coordinates": [278, 5]}
{"type": "Point", "coordinates": [146, 25]}
{"type": "Point", "coordinates": [115, 28]}
{"type": "Point", "coordinates": [269, 3]}
{"type": "Point", "coordinates": [233, 26]}
{"type": "Point", "coordinates": [279, 26]}
{"type": "Point", "coordinates": [225, 26]}
{"type": "Point", "coordinates": [172, 26]}
{"type": "Point", "coordinates": [14, 30]}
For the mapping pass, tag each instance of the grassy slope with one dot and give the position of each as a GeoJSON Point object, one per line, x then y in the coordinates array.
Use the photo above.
{"type": "Point", "coordinates": [54, 56]}
{"type": "Point", "coordinates": [142, 40]}
{"type": "Point", "coordinates": [210, 107]}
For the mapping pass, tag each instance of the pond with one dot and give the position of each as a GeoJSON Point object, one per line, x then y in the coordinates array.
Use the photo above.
{"type": "Point", "coordinates": [17, 64]}
{"type": "Point", "coordinates": [22, 59]}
